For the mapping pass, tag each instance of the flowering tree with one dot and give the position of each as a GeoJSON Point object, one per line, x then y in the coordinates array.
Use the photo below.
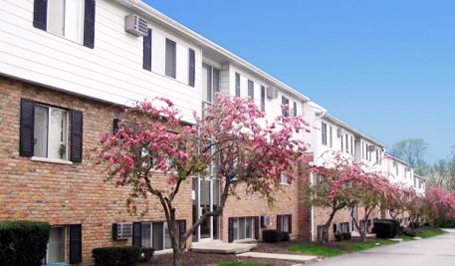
{"type": "Point", "coordinates": [400, 199]}
{"type": "Point", "coordinates": [152, 144]}
{"type": "Point", "coordinates": [366, 189]}
{"type": "Point", "coordinates": [327, 190]}
{"type": "Point", "coordinates": [440, 203]}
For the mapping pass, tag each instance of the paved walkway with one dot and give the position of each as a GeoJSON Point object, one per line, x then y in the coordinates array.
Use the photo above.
{"type": "Point", "coordinates": [303, 258]}
{"type": "Point", "coordinates": [438, 251]}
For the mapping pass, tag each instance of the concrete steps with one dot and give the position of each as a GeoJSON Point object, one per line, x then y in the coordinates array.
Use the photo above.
{"type": "Point", "coordinates": [223, 248]}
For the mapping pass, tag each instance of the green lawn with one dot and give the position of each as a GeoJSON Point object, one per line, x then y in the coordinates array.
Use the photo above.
{"type": "Point", "coordinates": [371, 243]}
{"type": "Point", "coordinates": [430, 233]}
{"type": "Point", "coordinates": [315, 250]}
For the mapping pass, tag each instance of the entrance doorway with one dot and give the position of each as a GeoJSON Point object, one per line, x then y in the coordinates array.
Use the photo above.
{"type": "Point", "coordinates": [206, 197]}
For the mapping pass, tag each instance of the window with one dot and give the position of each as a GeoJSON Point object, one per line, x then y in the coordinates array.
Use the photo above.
{"type": "Point", "coordinates": [294, 109]}
{"type": "Point", "coordinates": [60, 237]}
{"type": "Point", "coordinates": [251, 89]}
{"type": "Point", "coordinates": [191, 67]}
{"type": "Point", "coordinates": [147, 51]}
{"type": "Point", "coordinates": [341, 227]}
{"type": "Point", "coordinates": [171, 58]}
{"type": "Point", "coordinates": [284, 179]}
{"type": "Point", "coordinates": [154, 234]}
{"type": "Point", "coordinates": [71, 19]}
{"type": "Point", "coordinates": [324, 133]}
{"type": "Point", "coordinates": [210, 83]}
{"type": "Point", "coordinates": [341, 143]}
{"type": "Point", "coordinates": [285, 101]}
{"type": "Point", "coordinates": [263, 98]}
{"type": "Point", "coordinates": [284, 223]}
{"type": "Point", "coordinates": [50, 132]}
{"type": "Point", "coordinates": [243, 228]}
{"type": "Point", "coordinates": [366, 151]}
{"type": "Point", "coordinates": [347, 143]}
{"type": "Point", "coordinates": [330, 136]}
{"type": "Point", "coordinates": [237, 84]}
{"type": "Point", "coordinates": [352, 145]}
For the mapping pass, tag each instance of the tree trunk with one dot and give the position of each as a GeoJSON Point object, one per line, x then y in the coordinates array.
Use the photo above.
{"type": "Point", "coordinates": [177, 258]}
{"type": "Point", "coordinates": [325, 232]}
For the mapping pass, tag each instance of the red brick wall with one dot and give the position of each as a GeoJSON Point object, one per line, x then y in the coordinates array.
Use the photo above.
{"type": "Point", "coordinates": [66, 194]}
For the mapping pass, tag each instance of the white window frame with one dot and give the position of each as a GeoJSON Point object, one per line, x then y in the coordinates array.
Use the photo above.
{"type": "Point", "coordinates": [170, 58]}
{"type": "Point", "coordinates": [65, 241]}
{"type": "Point", "coordinates": [66, 19]}
{"type": "Point", "coordinates": [167, 245]}
{"type": "Point", "coordinates": [64, 134]}
{"type": "Point", "coordinates": [323, 133]}
{"type": "Point", "coordinates": [244, 222]}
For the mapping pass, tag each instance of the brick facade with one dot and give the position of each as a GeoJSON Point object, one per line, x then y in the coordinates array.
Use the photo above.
{"type": "Point", "coordinates": [64, 194]}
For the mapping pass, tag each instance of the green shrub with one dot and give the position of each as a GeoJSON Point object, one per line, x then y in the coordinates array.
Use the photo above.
{"type": "Point", "coordinates": [23, 242]}
{"type": "Point", "coordinates": [346, 235]}
{"type": "Point", "coordinates": [339, 236]}
{"type": "Point", "coordinates": [284, 236]}
{"type": "Point", "coordinates": [385, 228]}
{"type": "Point", "coordinates": [270, 236]}
{"type": "Point", "coordinates": [116, 256]}
{"type": "Point", "coordinates": [409, 233]}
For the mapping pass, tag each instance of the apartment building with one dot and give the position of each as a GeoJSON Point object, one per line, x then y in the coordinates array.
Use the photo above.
{"type": "Point", "coordinates": [334, 135]}
{"type": "Point", "coordinates": [66, 71]}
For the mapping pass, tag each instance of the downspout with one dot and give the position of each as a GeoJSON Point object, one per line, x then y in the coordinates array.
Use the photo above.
{"type": "Point", "coordinates": [312, 212]}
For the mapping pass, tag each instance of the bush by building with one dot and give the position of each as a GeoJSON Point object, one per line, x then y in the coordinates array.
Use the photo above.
{"type": "Point", "coordinates": [23, 242]}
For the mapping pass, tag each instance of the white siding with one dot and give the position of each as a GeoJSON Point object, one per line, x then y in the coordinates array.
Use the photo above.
{"type": "Point", "coordinates": [112, 71]}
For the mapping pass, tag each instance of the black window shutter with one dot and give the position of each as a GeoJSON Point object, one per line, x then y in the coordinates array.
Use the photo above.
{"type": "Point", "coordinates": [76, 136]}
{"type": "Point", "coordinates": [182, 227]}
{"type": "Point", "coordinates": [230, 230]}
{"type": "Point", "coordinates": [256, 227]}
{"type": "Point", "coordinates": [192, 68]}
{"type": "Point", "coordinates": [278, 222]}
{"type": "Point", "coordinates": [147, 51]}
{"type": "Point", "coordinates": [40, 14]}
{"type": "Point", "coordinates": [114, 231]}
{"type": "Point", "coordinates": [334, 227]}
{"type": "Point", "coordinates": [89, 24]}
{"type": "Point", "coordinates": [27, 128]}
{"type": "Point", "coordinates": [137, 234]}
{"type": "Point", "coordinates": [75, 243]}
{"type": "Point", "coordinates": [115, 125]}
{"type": "Point", "coordinates": [290, 224]}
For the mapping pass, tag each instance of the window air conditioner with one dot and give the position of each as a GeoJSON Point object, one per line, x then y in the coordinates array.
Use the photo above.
{"type": "Point", "coordinates": [340, 132]}
{"type": "Point", "coordinates": [265, 221]}
{"type": "Point", "coordinates": [136, 25]}
{"type": "Point", "coordinates": [272, 92]}
{"type": "Point", "coordinates": [121, 231]}
{"type": "Point", "coordinates": [371, 148]}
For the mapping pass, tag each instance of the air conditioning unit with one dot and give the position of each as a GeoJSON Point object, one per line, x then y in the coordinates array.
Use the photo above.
{"type": "Point", "coordinates": [136, 25]}
{"type": "Point", "coordinates": [121, 231]}
{"type": "Point", "coordinates": [265, 221]}
{"type": "Point", "coordinates": [340, 132]}
{"type": "Point", "coordinates": [371, 148]}
{"type": "Point", "coordinates": [272, 92]}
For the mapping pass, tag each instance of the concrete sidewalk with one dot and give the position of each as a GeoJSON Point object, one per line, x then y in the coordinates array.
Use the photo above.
{"type": "Point", "coordinates": [303, 258]}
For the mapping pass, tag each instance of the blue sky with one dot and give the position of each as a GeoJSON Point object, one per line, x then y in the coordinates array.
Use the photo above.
{"type": "Point", "coordinates": [385, 67]}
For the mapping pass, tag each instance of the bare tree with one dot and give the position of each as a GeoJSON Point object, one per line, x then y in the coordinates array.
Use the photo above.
{"type": "Point", "coordinates": [412, 151]}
